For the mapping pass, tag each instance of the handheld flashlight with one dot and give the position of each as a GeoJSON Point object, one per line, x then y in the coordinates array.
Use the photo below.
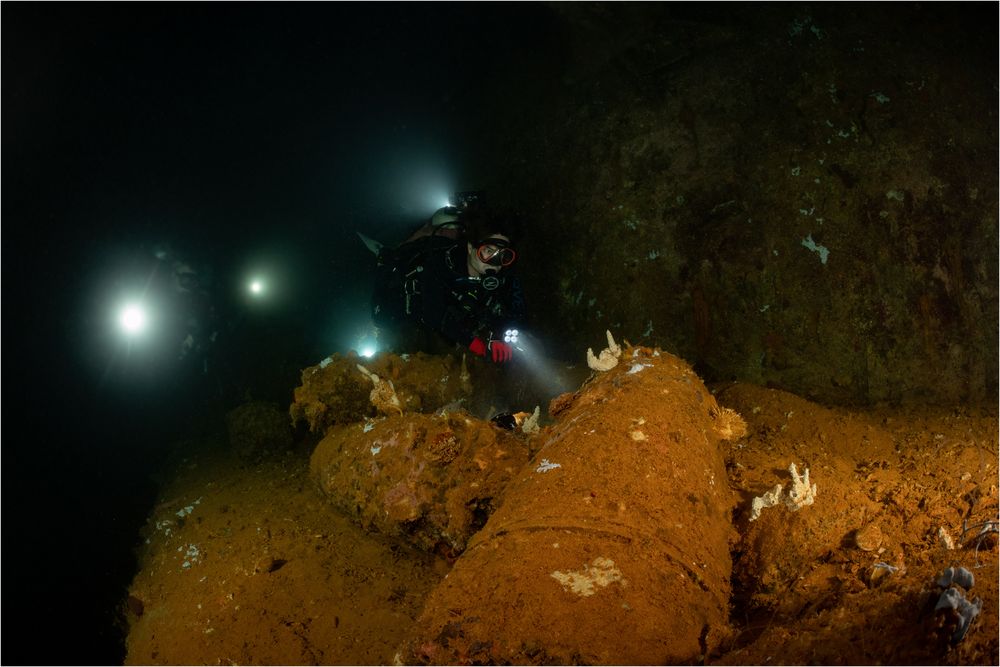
{"type": "Point", "coordinates": [511, 337]}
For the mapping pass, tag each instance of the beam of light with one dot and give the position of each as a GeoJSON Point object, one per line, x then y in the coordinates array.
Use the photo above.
{"type": "Point", "coordinates": [256, 287]}
{"type": "Point", "coordinates": [367, 351]}
{"type": "Point", "coordinates": [546, 375]}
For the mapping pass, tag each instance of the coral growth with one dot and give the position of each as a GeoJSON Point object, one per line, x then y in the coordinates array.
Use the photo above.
{"type": "Point", "coordinates": [728, 424]}
{"type": "Point", "coordinates": [607, 359]}
{"type": "Point", "coordinates": [530, 423]}
{"type": "Point", "coordinates": [383, 395]}
{"type": "Point", "coordinates": [600, 573]}
{"type": "Point", "coordinates": [800, 494]}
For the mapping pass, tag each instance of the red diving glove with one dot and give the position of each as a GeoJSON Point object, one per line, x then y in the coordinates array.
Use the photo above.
{"type": "Point", "coordinates": [501, 351]}
{"type": "Point", "coordinates": [478, 347]}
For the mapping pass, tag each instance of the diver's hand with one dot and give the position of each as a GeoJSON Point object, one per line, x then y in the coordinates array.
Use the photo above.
{"type": "Point", "coordinates": [501, 351]}
{"type": "Point", "coordinates": [478, 347]}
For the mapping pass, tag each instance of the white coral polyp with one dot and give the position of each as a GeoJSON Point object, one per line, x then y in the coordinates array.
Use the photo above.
{"type": "Point", "coordinates": [769, 499]}
{"type": "Point", "coordinates": [607, 359]}
{"type": "Point", "coordinates": [383, 394]}
{"type": "Point", "coordinates": [800, 495]}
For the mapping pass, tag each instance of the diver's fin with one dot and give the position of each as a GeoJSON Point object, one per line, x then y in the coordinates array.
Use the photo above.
{"type": "Point", "coordinates": [371, 244]}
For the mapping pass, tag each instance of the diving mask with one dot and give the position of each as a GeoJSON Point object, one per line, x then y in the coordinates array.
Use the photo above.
{"type": "Point", "coordinates": [495, 252]}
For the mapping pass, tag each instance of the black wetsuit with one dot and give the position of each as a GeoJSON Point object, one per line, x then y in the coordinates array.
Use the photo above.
{"type": "Point", "coordinates": [426, 282]}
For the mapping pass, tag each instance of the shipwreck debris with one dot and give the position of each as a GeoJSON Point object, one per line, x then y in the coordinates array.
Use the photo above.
{"type": "Point", "coordinates": [958, 610]}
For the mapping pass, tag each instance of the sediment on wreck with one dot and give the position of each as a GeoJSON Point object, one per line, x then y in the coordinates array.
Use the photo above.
{"type": "Point", "coordinates": [429, 479]}
{"type": "Point", "coordinates": [621, 521]}
{"type": "Point", "coordinates": [337, 391]}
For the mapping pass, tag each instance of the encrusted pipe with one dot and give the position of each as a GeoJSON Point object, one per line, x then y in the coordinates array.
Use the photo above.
{"type": "Point", "coordinates": [611, 546]}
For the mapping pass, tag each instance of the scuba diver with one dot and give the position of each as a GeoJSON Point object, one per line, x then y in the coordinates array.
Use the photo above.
{"type": "Point", "coordinates": [190, 294]}
{"type": "Point", "coordinates": [451, 281]}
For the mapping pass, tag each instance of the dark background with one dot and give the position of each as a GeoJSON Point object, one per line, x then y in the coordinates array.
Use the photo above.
{"type": "Point", "coordinates": [230, 132]}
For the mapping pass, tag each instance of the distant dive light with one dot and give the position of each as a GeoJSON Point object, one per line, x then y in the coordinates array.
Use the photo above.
{"type": "Point", "coordinates": [367, 346]}
{"type": "Point", "coordinates": [256, 287]}
{"type": "Point", "coordinates": [132, 319]}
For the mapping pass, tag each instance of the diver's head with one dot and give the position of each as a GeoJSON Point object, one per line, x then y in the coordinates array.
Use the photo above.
{"type": "Point", "coordinates": [446, 215]}
{"type": "Point", "coordinates": [490, 241]}
{"type": "Point", "coordinates": [490, 255]}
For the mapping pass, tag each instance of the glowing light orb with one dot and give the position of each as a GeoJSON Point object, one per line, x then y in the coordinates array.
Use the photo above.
{"type": "Point", "coordinates": [132, 319]}
{"type": "Point", "coordinates": [367, 351]}
{"type": "Point", "coordinates": [256, 287]}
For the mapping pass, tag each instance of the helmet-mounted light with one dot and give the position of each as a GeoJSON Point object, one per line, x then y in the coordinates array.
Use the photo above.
{"type": "Point", "coordinates": [464, 200]}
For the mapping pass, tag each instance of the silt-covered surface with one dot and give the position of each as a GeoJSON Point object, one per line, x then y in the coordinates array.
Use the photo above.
{"type": "Point", "coordinates": [253, 564]}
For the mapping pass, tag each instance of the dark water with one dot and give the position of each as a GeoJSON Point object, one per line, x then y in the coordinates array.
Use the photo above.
{"type": "Point", "coordinates": [229, 133]}
{"type": "Point", "coordinates": [86, 434]}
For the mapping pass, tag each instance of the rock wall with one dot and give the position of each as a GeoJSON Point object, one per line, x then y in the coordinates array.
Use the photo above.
{"type": "Point", "coordinates": [797, 196]}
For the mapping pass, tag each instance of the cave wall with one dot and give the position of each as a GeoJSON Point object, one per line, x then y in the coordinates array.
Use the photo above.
{"type": "Point", "coordinates": [801, 196]}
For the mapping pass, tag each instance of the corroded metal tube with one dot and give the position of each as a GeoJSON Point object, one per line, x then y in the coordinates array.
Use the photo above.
{"type": "Point", "coordinates": [611, 546]}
